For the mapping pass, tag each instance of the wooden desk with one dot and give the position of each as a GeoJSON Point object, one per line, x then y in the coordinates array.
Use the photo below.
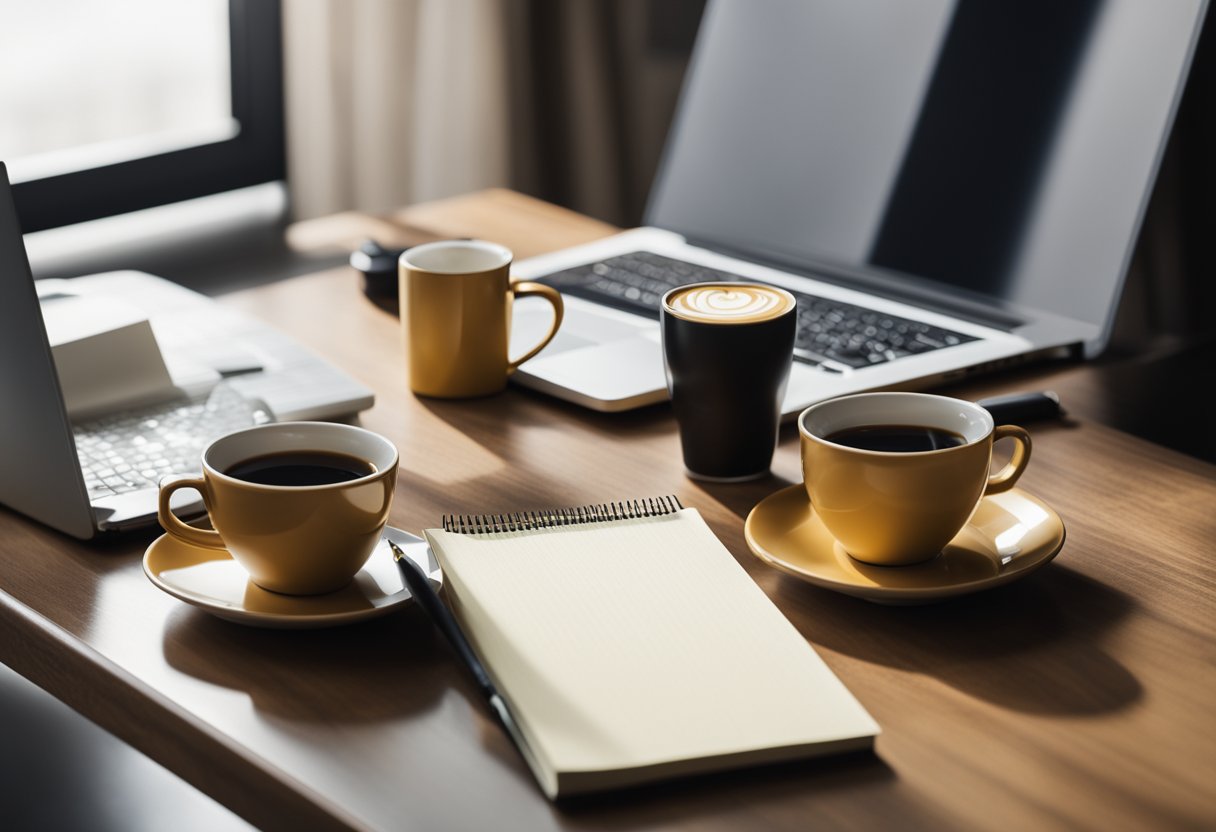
{"type": "Point", "coordinates": [1081, 696]}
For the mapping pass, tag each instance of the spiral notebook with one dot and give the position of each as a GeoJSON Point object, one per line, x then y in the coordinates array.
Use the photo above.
{"type": "Point", "coordinates": [630, 646]}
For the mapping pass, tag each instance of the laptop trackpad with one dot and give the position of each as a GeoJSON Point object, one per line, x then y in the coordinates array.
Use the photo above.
{"type": "Point", "coordinates": [607, 372]}
{"type": "Point", "coordinates": [581, 328]}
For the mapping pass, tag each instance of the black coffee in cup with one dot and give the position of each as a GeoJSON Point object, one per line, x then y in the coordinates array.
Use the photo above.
{"type": "Point", "coordinates": [300, 468]}
{"type": "Point", "coordinates": [896, 438]}
{"type": "Point", "coordinates": [728, 349]}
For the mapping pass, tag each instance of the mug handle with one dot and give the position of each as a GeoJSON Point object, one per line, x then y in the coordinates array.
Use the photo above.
{"type": "Point", "coordinates": [527, 288]}
{"type": "Point", "coordinates": [175, 527]}
{"type": "Point", "coordinates": [1004, 479]}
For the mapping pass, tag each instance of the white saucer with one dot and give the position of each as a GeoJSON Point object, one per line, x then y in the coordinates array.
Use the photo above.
{"type": "Point", "coordinates": [211, 580]}
{"type": "Point", "coordinates": [1009, 535]}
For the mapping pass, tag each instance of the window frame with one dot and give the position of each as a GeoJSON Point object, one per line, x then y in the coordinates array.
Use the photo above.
{"type": "Point", "coordinates": [255, 155]}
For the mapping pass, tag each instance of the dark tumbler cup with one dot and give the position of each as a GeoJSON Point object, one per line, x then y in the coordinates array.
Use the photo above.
{"type": "Point", "coordinates": [727, 348]}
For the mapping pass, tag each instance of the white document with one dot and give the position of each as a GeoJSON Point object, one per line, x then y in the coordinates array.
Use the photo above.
{"type": "Point", "coordinates": [105, 353]}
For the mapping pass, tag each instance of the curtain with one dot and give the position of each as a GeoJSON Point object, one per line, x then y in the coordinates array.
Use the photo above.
{"type": "Point", "coordinates": [594, 88]}
{"type": "Point", "coordinates": [390, 102]}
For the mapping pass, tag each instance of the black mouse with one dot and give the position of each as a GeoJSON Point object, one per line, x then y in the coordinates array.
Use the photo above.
{"type": "Point", "coordinates": [379, 268]}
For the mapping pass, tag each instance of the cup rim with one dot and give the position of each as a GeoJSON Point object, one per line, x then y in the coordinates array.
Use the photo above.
{"type": "Point", "coordinates": [666, 306]}
{"type": "Point", "coordinates": [211, 471]}
{"type": "Point", "coordinates": [504, 254]}
{"type": "Point", "coordinates": [984, 416]}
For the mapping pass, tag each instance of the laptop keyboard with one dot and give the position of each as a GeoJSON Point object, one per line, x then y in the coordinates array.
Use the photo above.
{"type": "Point", "coordinates": [830, 333]}
{"type": "Point", "coordinates": [132, 450]}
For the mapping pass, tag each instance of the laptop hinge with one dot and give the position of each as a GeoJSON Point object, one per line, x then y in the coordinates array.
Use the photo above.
{"type": "Point", "coordinates": [956, 302]}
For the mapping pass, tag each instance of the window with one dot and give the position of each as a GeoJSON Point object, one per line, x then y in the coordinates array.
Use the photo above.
{"type": "Point", "coordinates": [117, 106]}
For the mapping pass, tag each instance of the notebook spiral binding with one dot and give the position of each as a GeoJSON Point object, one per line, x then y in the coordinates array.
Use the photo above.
{"type": "Point", "coordinates": [552, 518]}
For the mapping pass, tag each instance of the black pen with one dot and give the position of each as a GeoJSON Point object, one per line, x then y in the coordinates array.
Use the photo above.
{"type": "Point", "coordinates": [420, 587]}
{"type": "Point", "coordinates": [1018, 408]}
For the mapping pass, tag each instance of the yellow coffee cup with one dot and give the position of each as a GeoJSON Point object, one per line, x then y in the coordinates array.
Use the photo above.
{"type": "Point", "coordinates": [456, 299]}
{"type": "Point", "coordinates": [895, 476]}
{"type": "Point", "coordinates": [293, 538]}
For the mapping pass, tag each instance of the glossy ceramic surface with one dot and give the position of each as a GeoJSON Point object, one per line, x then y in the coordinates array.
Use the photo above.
{"type": "Point", "coordinates": [456, 300]}
{"type": "Point", "coordinates": [1010, 535]}
{"type": "Point", "coordinates": [211, 580]}
{"type": "Point", "coordinates": [298, 540]}
{"type": "Point", "coordinates": [896, 508]}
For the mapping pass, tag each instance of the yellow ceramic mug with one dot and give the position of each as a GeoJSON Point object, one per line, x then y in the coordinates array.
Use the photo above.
{"type": "Point", "coordinates": [894, 508]}
{"type": "Point", "coordinates": [456, 298]}
{"type": "Point", "coordinates": [294, 539]}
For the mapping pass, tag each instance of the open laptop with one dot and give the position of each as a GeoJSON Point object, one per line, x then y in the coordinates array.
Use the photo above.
{"type": "Point", "coordinates": [101, 474]}
{"type": "Point", "coordinates": [947, 186]}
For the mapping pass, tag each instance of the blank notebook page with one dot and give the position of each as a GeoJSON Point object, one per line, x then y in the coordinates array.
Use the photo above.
{"type": "Point", "coordinates": [632, 643]}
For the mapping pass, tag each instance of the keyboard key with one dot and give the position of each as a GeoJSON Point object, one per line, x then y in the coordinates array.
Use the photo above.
{"type": "Point", "coordinates": [132, 451]}
{"type": "Point", "coordinates": [828, 330]}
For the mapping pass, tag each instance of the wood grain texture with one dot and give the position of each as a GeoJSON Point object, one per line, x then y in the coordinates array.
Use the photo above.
{"type": "Point", "coordinates": [1078, 697]}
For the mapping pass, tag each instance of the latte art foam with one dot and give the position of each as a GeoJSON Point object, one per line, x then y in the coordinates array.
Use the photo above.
{"type": "Point", "coordinates": [729, 303]}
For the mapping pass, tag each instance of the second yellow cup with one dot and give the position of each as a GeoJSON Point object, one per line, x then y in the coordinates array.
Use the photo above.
{"type": "Point", "coordinates": [456, 299]}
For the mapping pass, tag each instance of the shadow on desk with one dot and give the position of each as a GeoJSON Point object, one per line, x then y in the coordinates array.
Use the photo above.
{"type": "Point", "coordinates": [741, 497]}
{"type": "Point", "coordinates": [523, 451]}
{"type": "Point", "coordinates": [398, 652]}
{"type": "Point", "coordinates": [1032, 646]}
{"type": "Point", "coordinates": [839, 779]}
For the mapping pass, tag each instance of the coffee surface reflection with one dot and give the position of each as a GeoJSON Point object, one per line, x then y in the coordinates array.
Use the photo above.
{"type": "Point", "coordinates": [724, 303]}
{"type": "Point", "coordinates": [897, 438]}
{"type": "Point", "coordinates": [301, 468]}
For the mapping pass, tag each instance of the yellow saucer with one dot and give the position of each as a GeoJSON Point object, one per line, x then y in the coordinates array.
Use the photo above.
{"type": "Point", "coordinates": [211, 580]}
{"type": "Point", "coordinates": [1010, 535]}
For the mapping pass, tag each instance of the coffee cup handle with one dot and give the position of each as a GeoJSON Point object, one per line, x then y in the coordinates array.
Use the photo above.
{"type": "Point", "coordinates": [1004, 479]}
{"type": "Point", "coordinates": [175, 527]}
{"type": "Point", "coordinates": [527, 288]}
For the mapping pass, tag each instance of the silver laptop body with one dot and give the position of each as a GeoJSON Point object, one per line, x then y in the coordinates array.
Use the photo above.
{"type": "Point", "coordinates": [100, 474]}
{"type": "Point", "coordinates": [974, 171]}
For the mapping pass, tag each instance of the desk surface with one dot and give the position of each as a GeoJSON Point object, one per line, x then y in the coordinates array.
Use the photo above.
{"type": "Point", "coordinates": [1080, 696]}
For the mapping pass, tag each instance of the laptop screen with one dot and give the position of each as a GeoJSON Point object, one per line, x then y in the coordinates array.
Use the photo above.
{"type": "Point", "coordinates": [39, 470]}
{"type": "Point", "coordinates": [1005, 148]}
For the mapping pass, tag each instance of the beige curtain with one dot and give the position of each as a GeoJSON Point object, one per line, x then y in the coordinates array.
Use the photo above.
{"type": "Point", "coordinates": [390, 102]}
{"type": "Point", "coordinates": [594, 88]}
